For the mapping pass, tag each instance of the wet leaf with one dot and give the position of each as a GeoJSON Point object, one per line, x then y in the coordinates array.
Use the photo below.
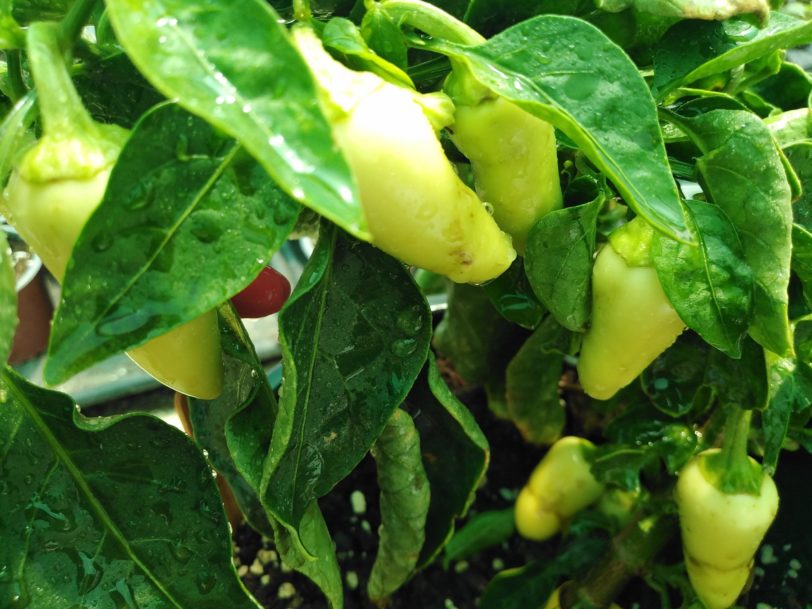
{"type": "Point", "coordinates": [8, 299]}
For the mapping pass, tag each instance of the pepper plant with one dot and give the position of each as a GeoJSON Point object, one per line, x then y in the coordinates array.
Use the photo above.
{"type": "Point", "coordinates": [610, 197]}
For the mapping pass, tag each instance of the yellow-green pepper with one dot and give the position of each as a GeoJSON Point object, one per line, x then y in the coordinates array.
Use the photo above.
{"type": "Point", "coordinates": [416, 206]}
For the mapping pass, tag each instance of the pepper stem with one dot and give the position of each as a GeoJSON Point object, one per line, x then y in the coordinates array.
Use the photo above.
{"type": "Point", "coordinates": [15, 75]}
{"type": "Point", "coordinates": [301, 10]}
{"type": "Point", "coordinates": [76, 19]}
{"type": "Point", "coordinates": [61, 108]}
{"type": "Point", "coordinates": [732, 470]}
{"type": "Point", "coordinates": [432, 20]}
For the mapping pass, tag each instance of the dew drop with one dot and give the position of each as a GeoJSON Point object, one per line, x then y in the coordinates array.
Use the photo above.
{"type": "Point", "coordinates": [102, 242]}
{"type": "Point", "coordinates": [403, 347]}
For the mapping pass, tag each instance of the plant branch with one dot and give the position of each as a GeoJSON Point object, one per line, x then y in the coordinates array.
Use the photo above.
{"type": "Point", "coordinates": [73, 23]}
{"type": "Point", "coordinates": [629, 555]}
{"type": "Point", "coordinates": [15, 75]}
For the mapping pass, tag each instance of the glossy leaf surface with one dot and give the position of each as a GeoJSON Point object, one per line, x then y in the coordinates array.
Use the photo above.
{"type": "Point", "coordinates": [560, 251]}
{"type": "Point", "coordinates": [236, 431]}
{"type": "Point", "coordinates": [710, 286]}
{"type": "Point", "coordinates": [692, 50]}
{"type": "Point", "coordinates": [107, 512]}
{"type": "Point", "coordinates": [231, 62]}
{"type": "Point", "coordinates": [186, 209]}
{"type": "Point", "coordinates": [743, 174]}
{"type": "Point", "coordinates": [354, 336]}
{"type": "Point", "coordinates": [455, 454]}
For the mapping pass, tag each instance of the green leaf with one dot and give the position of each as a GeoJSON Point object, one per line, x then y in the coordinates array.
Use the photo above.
{"type": "Point", "coordinates": [492, 16]}
{"type": "Point", "coordinates": [532, 376]}
{"type": "Point", "coordinates": [455, 455]}
{"type": "Point", "coordinates": [11, 34]}
{"type": "Point", "coordinates": [473, 335]}
{"type": "Point", "coordinates": [742, 173]}
{"type": "Point", "coordinates": [8, 299]}
{"type": "Point", "coordinates": [343, 35]}
{"type": "Point", "coordinates": [114, 91]}
{"type": "Point", "coordinates": [791, 127]}
{"type": "Point", "coordinates": [656, 435]}
{"type": "Point", "coordinates": [590, 90]}
{"type": "Point", "coordinates": [231, 62]}
{"type": "Point", "coordinates": [245, 395]}
{"type": "Point", "coordinates": [530, 586]}
{"type": "Point", "coordinates": [383, 36]}
{"type": "Point", "coordinates": [26, 11]}
{"type": "Point", "coordinates": [710, 286]}
{"type": "Point", "coordinates": [558, 259]}
{"type": "Point", "coordinates": [15, 135]}
{"type": "Point", "coordinates": [788, 89]}
{"type": "Point", "coordinates": [802, 259]}
{"type": "Point", "coordinates": [692, 50]}
{"type": "Point", "coordinates": [315, 536]}
{"type": "Point", "coordinates": [185, 209]}
{"type": "Point", "coordinates": [354, 336]}
{"type": "Point", "coordinates": [113, 511]}
{"type": "Point", "coordinates": [236, 431]}
{"type": "Point", "coordinates": [800, 157]}
{"type": "Point", "coordinates": [405, 499]}
{"type": "Point", "coordinates": [483, 531]}
{"type": "Point", "coordinates": [513, 297]}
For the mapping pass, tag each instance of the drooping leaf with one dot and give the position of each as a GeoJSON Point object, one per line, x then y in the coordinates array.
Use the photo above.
{"type": "Point", "coordinates": [8, 299]}
{"type": "Point", "coordinates": [800, 157]}
{"type": "Point", "coordinates": [560, 250]}
{"type": "Point", "coordinates": [245, 395]}
{"type": "Point", "coordinates": [231, 62]}
{"type": "Point", "coordinates": [383, 36]}
{"type": "Point", "coordinates": [26, 11]}
{"type": "Point", "coordinates": [473, 335]}
{"type": "Point", "coordinates": [532, 376]}
{"type": "Point", "coordinates": [492, 16]}
{"type": "Point", "coordinates": [236, 431]}
{"type": "Point", "coordinates": [185, 209]}
{"type": "Point", "coordinates": [710, 286]}
{"type": "Point", "coordinates": [405, 499]}
{"type": "Point", "coordinates": [354, 336]}
{"type": "Point", "coordinates": [692, 50]}
{"type": "Point", "coordinates": [789, 89]}
{"type": "Point", "coordinates": [481, 532]}
{"type": "Point", "coordinates": [790, 392]}
{"type": "Point", "coordinates": [115, 511]}
{"type": "Point", "coordinates": [742, 173]}
{"type": "Point", "coordinates": [592, 91]}
{"type": "Point", "coordinates": [513, 297]}
{"type": "Point", "coordinates": [455, 455]}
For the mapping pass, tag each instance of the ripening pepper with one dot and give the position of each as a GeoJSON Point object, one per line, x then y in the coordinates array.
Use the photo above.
{"type": "Point", "coordinates": [59, 183]}
{"type": "Point", "coordinates": [560, 486]}
{"type": "Point", "coordinates": [512, 153]}
{"type": "Point", "coordinates": [417, 208]}
{"type": "Point", "coordinates": [721, 531]}
{"type": "Point", "coordinates": [632, 319]}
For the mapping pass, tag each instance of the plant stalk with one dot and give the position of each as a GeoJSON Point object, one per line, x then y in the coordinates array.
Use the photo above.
{"type": "Point", "coordinates": [15, 75]}
{"type": "Point", "coordinates": [74, 22]}
{"type": "Point", "coordinates": [630, 554]}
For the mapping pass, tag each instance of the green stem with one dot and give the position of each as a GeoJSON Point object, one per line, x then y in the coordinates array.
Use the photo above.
{"type": "Point", "coordinates": [432, 20]}
{"type": "Point", "coordinates": [301, 10]}
{"type": "Point", "coordinates": [629, 555]}
{"type": "Point", "coordinates": [15, 75]}
{"type": "Point", "coordinates": [61, 108]}
{"type": "Point", "coordinates": [731, 470]}
{"type": "Point", "coordinates": [71, 27]}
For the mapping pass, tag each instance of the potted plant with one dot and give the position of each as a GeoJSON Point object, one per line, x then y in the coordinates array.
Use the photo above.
{"type": "Point", "coordinates": [612, 197]}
